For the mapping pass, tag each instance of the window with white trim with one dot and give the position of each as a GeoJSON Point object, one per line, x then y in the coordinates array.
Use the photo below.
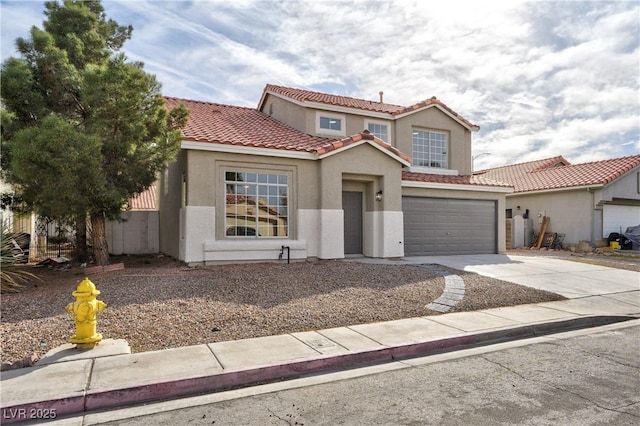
{"type": "Point", "coordinates": [330, 124]}
{"type": "Point", "coordinates": [430, 149]}
{"type": "Point", "coordinates": [257, 204]}
{"type": "Point", "coordinates": [379, 130]}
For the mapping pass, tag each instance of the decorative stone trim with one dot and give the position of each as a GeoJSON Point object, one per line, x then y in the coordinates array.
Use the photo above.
{"type": "Point", "coordinates": [453, 290]}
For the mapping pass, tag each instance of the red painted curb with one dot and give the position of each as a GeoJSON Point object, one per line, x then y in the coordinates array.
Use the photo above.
{"type": "Point", "coordinates": [269, 373]}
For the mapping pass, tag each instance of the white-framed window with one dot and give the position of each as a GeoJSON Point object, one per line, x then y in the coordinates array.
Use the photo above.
{"type": "Point", "coordinates": [330, 124]}
{"type": "Point", "coordinates": [379, 130]}
{"type": "Point", "coordinates": [257, 204]}
{"type": "Point", "coordinates": [430, 149]}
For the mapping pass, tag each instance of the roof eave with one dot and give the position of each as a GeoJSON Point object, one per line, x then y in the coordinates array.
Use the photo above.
{"type": "Point", "coordinates": [565, 188]}
{"type": "Point", "coordinates": [247, 150]}
{"type": "Point", "coordinates": [456, 186]}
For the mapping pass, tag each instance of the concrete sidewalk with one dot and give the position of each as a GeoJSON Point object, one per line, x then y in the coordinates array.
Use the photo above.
{"type": "Point", "coordinates": [70, 382]}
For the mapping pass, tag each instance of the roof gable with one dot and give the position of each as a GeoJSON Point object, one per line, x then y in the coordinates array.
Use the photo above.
{"type": "Point", "coordinates": [364, 137]}
{"type": "Point", "coordinates": [303, 96]}
{"type": "Point", "coordinates": [557, 173]}
{"type": "Point", "coordinates": [435, 102]}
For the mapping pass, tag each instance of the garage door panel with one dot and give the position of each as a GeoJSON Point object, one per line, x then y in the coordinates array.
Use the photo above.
{"type": "Point", "coordinates": [617, 218]}
{"type": "Point", "coordinates": [435, 226]}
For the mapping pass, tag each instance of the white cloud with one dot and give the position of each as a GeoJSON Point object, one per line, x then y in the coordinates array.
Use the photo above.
{"type": "Point", "coordinates": [540, 78]}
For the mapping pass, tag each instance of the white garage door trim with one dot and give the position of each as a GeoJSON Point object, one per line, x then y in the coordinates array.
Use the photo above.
{"type": "Point", "coordinates": [616, 218]}
{"type": "Point", "coordinates": [437, 226]}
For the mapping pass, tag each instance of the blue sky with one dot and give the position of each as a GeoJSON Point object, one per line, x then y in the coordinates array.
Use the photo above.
{"type": "Point", "coordinates": [539, 78]}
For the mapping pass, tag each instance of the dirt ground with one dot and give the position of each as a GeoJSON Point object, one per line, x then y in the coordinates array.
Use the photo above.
{"type": "Point", "coordinates": [156, 302]}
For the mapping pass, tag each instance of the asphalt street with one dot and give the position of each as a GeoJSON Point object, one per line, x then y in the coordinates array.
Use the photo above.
{"type": "Point", "coordinates": [576, 378]}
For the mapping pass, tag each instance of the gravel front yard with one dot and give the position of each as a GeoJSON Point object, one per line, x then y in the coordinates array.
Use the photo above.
{"type": "Point", "coordinates": [157, 303]}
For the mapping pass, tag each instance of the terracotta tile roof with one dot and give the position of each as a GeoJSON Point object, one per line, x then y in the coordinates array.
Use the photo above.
{"type": "Point", "coordinates": [302, 95]}
{"type": "Point", "coordinates": [364, 135]}
{"type": "Point", "coordinates": [233, 125]}
{"type": "Point", "coordinates": [224, 124]}
{"type": "Point", "coordinates": [146, 200]}
{"type": "Point", "coordinates": [452, 179]}
{"type": "Point", "coordinates": [558, 173]}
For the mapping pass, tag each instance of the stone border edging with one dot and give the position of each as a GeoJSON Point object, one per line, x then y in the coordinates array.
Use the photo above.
{"type": "Point", "coordinates": [453, 289]}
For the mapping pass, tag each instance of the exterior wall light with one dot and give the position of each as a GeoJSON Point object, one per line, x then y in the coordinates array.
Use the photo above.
{"type": "Point", "coordinates": [379, 195]}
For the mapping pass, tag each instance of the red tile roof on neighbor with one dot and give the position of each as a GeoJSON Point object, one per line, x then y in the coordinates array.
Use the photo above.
{"type": "Point", "coordinates": [231, 125]}
{"type": "Point", "coordinates": [452, 179]}
{"type": "Point", "coordinates": [558, 173]}
{"type": "Point", "coordinates": [302, 95]}
{"type": "Point", "coordinates": [146, 200]}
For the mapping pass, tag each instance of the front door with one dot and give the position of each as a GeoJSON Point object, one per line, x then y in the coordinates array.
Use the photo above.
{"type": "Point", "coordinates": [352, 207]}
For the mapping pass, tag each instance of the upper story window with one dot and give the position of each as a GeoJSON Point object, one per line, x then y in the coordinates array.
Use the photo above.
{"type": "Point", "coordinates": [430, 149]}
{"type": "Point", "coordinates": [379, 130]}
{"type": "Point", "coordinates": [257, 204]}
{"type": "Point", "coordinates": [330, 124]}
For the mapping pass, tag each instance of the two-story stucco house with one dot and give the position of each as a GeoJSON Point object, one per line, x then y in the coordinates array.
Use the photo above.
{"type": "Point", "coordinates": [326, 176]}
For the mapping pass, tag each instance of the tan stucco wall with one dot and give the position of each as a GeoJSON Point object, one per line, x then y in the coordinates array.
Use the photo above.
{"type": "Point", "coordinates": [434, 119]}
{"type": "Point", "coordinates": [626, 187]}
{"type": "Point", "coordinates": [286, 112]}
{"type": "Point", "coordinates": [305, 120]}
{"type": "Point", "coordinates": [354, 123]}
{"type": "Point", "coordinates": [206, 172]}
{"type": "Point", "coordinates": [362, 163]}
{"type": "Point", "coordinates": [169, 206]}
{"type": "Point", "coordinates": [570, 212]}
{"type": "Point", "coordinates": [205, 179]}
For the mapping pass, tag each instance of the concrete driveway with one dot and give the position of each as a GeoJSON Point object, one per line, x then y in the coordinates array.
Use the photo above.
{"type": "Point", "coordinates": [564, 277]}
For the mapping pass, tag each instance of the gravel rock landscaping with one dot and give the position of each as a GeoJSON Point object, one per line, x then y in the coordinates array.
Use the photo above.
{"type": "Point", "coordinates": [157, 302]}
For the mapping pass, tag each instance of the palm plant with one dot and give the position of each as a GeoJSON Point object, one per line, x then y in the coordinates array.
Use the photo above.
{"type": "Point", "coordinates": [12, 274]}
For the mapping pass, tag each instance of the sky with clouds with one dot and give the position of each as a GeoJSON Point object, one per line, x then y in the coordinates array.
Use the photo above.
{"type": "Point", "coordinates": [540, 78]}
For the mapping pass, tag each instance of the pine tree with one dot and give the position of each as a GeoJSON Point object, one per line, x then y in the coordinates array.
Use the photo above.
{"type": "Point", "coordinates": [83, 129]}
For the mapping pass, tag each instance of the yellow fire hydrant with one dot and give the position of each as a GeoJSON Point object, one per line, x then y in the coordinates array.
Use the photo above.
{"type": "Point", "coordinates": [84, 310]}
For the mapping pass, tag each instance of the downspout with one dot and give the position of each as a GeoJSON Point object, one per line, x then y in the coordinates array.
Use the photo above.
{"type": "Point", "coordinates": [593, 211]}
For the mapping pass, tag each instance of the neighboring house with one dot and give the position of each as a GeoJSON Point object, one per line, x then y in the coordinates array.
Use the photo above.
{"type": "Point", "coordinates": [299, 172]}
{"type": "Point", "coordinates": [585, 202]}
{"type": "Point", "coordinates": [138, 232]}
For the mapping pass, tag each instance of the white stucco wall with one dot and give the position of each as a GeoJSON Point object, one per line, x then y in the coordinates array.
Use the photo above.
{"type": "Point", "coordinates": [383, 234]}
{"type": "Point", "coordinates": [253, 250]}
{"type": "Point", "coordinates": [309, 230]}
{"type": "Point", "coordinates": [331, 245]}
{"type": "Point", "coordinates": [198, 226]}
